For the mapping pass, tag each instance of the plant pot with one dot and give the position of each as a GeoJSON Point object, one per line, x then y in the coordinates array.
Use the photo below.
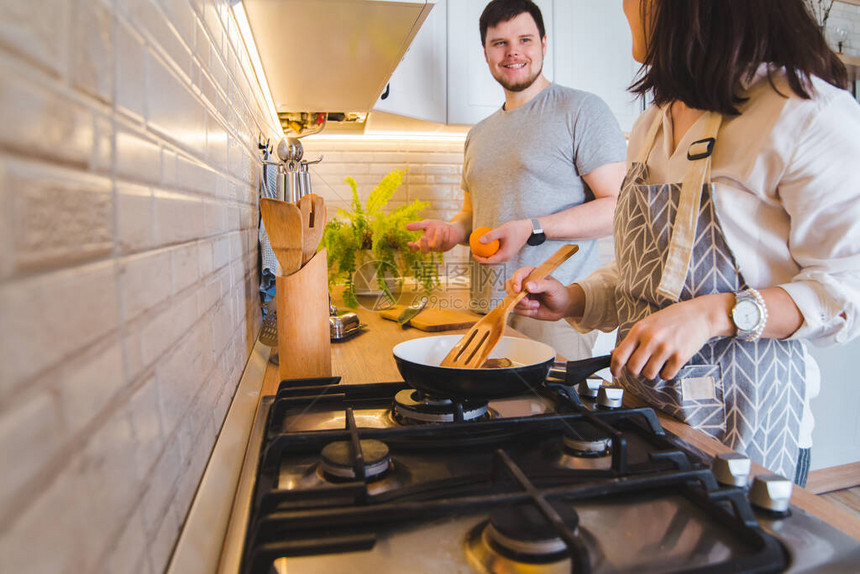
{"type": "Point", "coordinates": [366, 277]}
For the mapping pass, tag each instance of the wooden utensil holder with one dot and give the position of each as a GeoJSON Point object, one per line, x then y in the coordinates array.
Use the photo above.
{"type": "Point", "coordinates": [304, 341]}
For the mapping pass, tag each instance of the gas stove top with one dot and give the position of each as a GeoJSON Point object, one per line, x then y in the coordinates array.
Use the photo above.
{"type": "Point", "coordinates": [379, 478]}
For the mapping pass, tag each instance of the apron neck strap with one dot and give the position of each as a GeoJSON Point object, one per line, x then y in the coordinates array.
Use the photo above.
{"type": "Point", "coordinates": [699, 149]}
{"type": "Point", "coordinates": [686, 218]}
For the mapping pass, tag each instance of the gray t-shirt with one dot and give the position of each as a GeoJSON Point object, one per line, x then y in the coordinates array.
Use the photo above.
{"type": "Point", "coordinates": [529, 162]}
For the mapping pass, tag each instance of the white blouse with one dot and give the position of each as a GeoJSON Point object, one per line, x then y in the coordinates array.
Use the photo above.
{"type": "Point", "coordinates": [787, 193]}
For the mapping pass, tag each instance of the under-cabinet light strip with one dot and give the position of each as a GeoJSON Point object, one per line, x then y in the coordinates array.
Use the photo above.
{"type": "Point", "coordinates": [251, 46]}
{"type": "Point", "coordinates": [392, 136]}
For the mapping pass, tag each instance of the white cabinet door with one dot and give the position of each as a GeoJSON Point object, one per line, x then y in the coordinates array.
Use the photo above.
{"type": "Point", "coordinates": [473, 94]}
{"type": "Point", "coordinates": [418, 87]}
{"type": "Point", "coordinates": [593, 53]}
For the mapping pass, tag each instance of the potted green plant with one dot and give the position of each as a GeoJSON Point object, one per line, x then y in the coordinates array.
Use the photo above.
{"type": "Point", "coordinates": [367, 235]}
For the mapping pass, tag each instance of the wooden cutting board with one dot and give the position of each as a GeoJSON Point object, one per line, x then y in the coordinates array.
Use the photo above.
{"type": "Point", "coordinates": [433, 319]}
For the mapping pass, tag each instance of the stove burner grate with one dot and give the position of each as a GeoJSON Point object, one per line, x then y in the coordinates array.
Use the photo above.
{"type": "Point", "coordinates": [521, 531]}
{"type": "Point", "coordinates": [582, 439]}
{"type": "Point", "coordinates": [412, 407]}
{"type": "Point", "coordinates": [338, 460]}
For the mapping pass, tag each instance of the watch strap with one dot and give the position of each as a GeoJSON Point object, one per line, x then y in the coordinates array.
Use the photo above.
{"type": "Point", "coordinates": [538, 236]}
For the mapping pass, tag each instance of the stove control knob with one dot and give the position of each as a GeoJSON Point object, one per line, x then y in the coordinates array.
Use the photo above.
{"type": "Point", "coordinates": [588, 388]}
{"type": "Point", "coordinates": [610, 397]}
{"type": "Point", "coordinates": [732, 469]}
{"type": "Point", "coordinates": [771, 492]}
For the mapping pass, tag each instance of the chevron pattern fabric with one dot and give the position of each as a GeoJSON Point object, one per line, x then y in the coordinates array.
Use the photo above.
{"type": "Point", "coordinates": [757, 398]}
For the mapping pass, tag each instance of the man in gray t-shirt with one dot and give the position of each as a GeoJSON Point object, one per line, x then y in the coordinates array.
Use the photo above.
{"type": "Point", "coordinates": [542, 171]}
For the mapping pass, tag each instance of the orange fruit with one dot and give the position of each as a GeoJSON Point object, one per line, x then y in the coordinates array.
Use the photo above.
{"type": "Point", "coordinates": [482, 249]}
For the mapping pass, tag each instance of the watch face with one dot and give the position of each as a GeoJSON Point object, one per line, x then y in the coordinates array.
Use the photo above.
{"type": "Point", "coordinates": [746, 315]}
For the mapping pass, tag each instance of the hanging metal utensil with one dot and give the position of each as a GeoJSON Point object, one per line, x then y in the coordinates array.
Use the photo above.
{"type": "Point", "coordinates": [290, 150]}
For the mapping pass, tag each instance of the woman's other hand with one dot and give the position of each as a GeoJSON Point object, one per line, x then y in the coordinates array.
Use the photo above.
{"type": "Point", "coordinates": [547, 299]}
{"type": "Point", "coordinates": [663, 342]}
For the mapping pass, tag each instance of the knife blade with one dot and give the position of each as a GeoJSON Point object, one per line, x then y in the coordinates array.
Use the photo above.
{"type": "Point", "coordinates": [412, 310]}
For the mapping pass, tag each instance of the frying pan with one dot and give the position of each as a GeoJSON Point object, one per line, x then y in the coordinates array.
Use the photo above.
{"type": "Point", "coordinates": [418, 361]}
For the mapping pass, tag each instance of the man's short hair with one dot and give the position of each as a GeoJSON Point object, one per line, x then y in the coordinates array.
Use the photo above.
{"type": "Point", "coordinates": [499, 11]}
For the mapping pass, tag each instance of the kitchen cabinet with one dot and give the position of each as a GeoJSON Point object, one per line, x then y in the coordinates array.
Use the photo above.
{"type": "Point", "coordinates": [593, 53]}
{"type": "Point", "coordinates": [332, 56]}
{"type": "Point", "coordinates": [418, 87]}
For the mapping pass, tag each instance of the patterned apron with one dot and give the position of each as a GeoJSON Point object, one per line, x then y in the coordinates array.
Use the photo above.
{"type": "Point", "coordinates": [748, 395]}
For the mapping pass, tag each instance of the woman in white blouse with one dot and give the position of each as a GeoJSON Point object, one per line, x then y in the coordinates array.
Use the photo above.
{"type": "Point", "coordinates": [737, 231]}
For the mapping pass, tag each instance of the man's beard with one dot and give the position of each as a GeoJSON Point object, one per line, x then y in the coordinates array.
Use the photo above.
{"type": "Point", "coordinates": [519, 87]}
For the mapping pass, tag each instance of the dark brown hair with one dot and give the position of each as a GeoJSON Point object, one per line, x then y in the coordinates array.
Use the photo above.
{"type": "Point", "coordinates": [702, 51]}
{"type": "Point", "coordinates": [503, 10]}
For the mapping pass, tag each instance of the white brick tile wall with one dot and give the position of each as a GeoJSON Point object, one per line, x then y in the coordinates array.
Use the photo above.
{"type": "Point", "coordinates": [62, 217]}
{"type": "Point", "coordinates": [135, 218]}
{"type": "Point", "coordinates": [102, 160]}
{"type": "Point", "coordinates": [108, 473]}
{"type": "Point", "coordinates": [148, 17]}
{"type": "Point", "coordinates": [129, 555]}
{"type": "Point", "coordinates": [144, 282]}
{"type": "Point", "coordinates": [93, 52]}
{"type": "Point", "coordinates": [128, 217]}
{"type": "Point", "coordinates": [146, 423]}
{"type": "Point", "coordinates": [49, 317]}
{"type": "Point", "coordinates": [192, 175]}
{"type": "Point", "coordinates": [35, 120]}
{"type": "Point", "coordinates": [168, 93]}
{"type": "Point", "coordinates": [178, 217]}
{"type": "Point", "coordinates": [130, 71]}
{"type": "Point", "coordinates": [138, 157]}
{"type": "Point", "coordinates": [165, 328]}
{"type": "Point", "coordinates": [40, 40]}
{"type": "Point", "coordinates": [184, 267]}
{"type": "Point", "coordinates": [48, 535]}
{"type": "Point", "coordinates": [89, 382]}
{"type": "Point", "coordinates": [26, 448]}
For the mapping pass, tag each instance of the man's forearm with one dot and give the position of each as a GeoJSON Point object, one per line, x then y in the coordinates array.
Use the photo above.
{"type": "Point", "coordinates": [591, 220]}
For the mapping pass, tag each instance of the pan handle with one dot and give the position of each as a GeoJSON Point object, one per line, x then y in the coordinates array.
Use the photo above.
{"type": "Point", "coordinates": [573, 372]}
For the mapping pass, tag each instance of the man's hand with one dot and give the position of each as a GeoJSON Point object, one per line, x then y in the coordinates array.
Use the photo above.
{"type": "Point", "coordinates": [438, 235]}
{"type": "Point", "coordinates": [512, 237]}
{"type": "Point", "coordinates": [547, 299]}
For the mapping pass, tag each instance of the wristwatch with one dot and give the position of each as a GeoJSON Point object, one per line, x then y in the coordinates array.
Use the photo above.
{"type": "Point", "coordinates": [749, 314]}
{"type": "Point", "coordinates": [538, 236]}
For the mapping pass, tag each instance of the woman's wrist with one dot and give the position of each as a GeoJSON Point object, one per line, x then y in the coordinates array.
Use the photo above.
{"type": "Point", "coordinates": [576, 303]}
{"type": "Point", "coordinates": [718, 311]}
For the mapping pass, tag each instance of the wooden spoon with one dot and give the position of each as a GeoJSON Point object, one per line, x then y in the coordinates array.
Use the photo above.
{"type": "Point", "coordinates": [472, 350]}
{"type": "Point", "coordinates": [313, 212]}
{"type": "Point", "coordinates": [283, 222]}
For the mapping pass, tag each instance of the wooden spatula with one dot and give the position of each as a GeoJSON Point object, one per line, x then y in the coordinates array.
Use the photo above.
{"type": "Point", "coordinates": [283, 222]}
{"type": "Point", "coordinates": [472, 350]}
{"type": "Point", "coordinates": [312, 207]}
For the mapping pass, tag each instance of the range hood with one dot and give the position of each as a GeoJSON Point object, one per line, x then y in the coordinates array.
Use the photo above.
{"type": "Point", "coordinates": [332, 56]}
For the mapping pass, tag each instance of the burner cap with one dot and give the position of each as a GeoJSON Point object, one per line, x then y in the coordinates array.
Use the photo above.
{"type": "Point", "coordinates": [584, 439]}
{"type": "Point", "coordinates": [522, 530]}
{"type": "Point", "coordinates": [337, 459]}
{"type": "Point", "coordinates": [409, 406]}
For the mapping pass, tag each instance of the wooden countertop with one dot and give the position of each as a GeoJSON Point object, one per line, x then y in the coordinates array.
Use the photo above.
{"type": "Point", "coordinates": [366, 358]}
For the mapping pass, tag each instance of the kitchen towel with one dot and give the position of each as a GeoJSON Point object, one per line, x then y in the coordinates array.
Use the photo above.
{"type": "Point", "coordinates": [269, 268]}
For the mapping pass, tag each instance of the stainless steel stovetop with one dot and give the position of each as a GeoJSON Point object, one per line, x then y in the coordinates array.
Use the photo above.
{"type": "Point", "coordinates": [375, 478]}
